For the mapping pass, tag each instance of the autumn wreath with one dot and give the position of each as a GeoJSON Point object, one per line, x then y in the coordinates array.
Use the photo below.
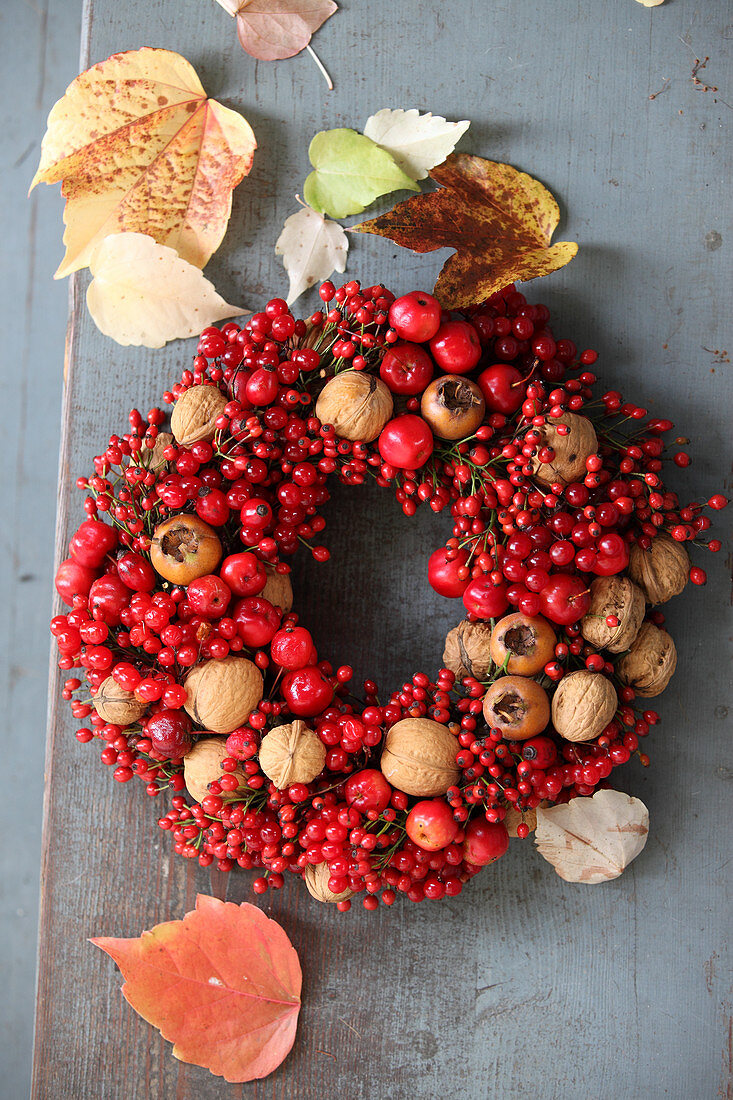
{"type": "Point", "coordinates": [199, 677]}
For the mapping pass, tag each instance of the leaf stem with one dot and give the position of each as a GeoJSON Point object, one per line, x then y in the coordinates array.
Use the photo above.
{"type": "Point", "coordinates": [321, 66]}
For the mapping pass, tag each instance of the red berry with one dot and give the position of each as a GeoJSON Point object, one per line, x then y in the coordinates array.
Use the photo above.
{"type": "Point", "coordinates": [292, 648]}
{"type": "Point", "coordinates": [170, 733]}
{"type": "Point", "coordinates": [307, 691]}
{"type": "Point", "coordinates": [503, 388]}
{"type": "Point", "coordinates": [430, 824]}
{"type": "Point", "coordinates": [136, 572]}
{"type": "Point", "coordinates": [415, 316]}
{"type": "Point", "coordinates": [444, 573]}
{"type": "Point", "coordinates": [485, 599]}
{"type": "Point", "coordinates": [209, 596]}
{"type": "Point", "coordinates": [406, 442]}
{"type": "Point", "coordinates": [565, 599]}
{"type": "Point", "coordinates": [257, 621]}
{"type": "Point", "coordinates": [244, 574]}
{"type": "Point", "coordinates": [406, 369]}
{"type": "Point", "coordinates": [73, 579]}
{"type": "Point", "coordinates": [456, 347]}
{"type": "Point", "coordinates": [485, 842]}
{"type": "Point", "coordinates": [368, 790]}
{"type": "Point", "coordinates": [92, 542]}
{"type": "Point", "coordinates": [108, 598]}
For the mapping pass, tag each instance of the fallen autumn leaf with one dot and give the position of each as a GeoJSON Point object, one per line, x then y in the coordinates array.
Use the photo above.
{"type": "Point", "coordinates": [312, 247]}
{"type": "Point", "coordinates": [592, 839]}
{"type": "Point", "coordinates": [138, 147]}
{"type": "Point", "coordinates": [272, 30]}
{"type": "Point", "coordinates": [143, 293]}
{"type": "Point", "coordinates": [417, 142]}
{"type": "Point", "coordinates": [499, 220]}
{"type": "Point", "coordinates": [350, 173]}
{"type": "Point", "coordinates": [222, 984]}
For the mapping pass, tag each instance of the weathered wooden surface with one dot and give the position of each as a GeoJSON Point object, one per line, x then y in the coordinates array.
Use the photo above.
{"type": "Point", "coordinates": [38, 57]}
{"type": "Point", "coordinates": [525, 985]}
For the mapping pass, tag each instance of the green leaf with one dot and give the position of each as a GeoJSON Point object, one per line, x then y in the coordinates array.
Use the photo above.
{"type": "Point", "coordinates": [351, 171]}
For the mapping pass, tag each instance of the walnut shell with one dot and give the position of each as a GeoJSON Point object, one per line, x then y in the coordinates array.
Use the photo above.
{"type": "Point", "coordinates": [116, 705]}
{"type": "Point", "coordinates": [619, 596]}
{"type": "Point", "coordinates": [202, 765]}
{"type": "Point", "coordinates": [358, 405]}
{"type": "Point", "coordinates": [278, 589]}
{"type": "Point", "coordinates": [222, 694]}
{"type": "Point", "coordinates": [292, 753]}
{"type": "Point", "coordinates": [419, 757]}
{"type": "Point", "coordinates": [316, 878]}
{"type": "Point", "coordinates": [194, 414]}
{"type": "Point", "coordinates": [650, 663]}
{"type": "Point", "coordinates": [571, 450]}
{"type": "Point", "coordinates": [661, 572]}
{"type": "Point", "coordinates": [153, 456]}
{"type": "Point", "coordinates": [583, 705]}
{"type": "Point", "coordinates": [466, 650]}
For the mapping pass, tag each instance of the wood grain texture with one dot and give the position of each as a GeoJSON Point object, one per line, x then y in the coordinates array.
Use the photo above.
{"type": "Point", "coordinates": [525, 985]}
{"type": "Point", "coordinates": [38, 54]}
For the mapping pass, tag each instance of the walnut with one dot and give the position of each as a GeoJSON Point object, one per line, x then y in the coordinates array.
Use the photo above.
{"type": "Point", "coordinates": [583, 705]}
{"type": "Point", "coordinates": [222, 694]}
{"type": "Point", "coordinates": [358, 405]}
{"type": "Point", "coordinates": [316, 879]}
{"type": "Point", "coordinates": [419, 757]}
{"type": "Point", "coordinates": [661, 572]}
{"type": "Point", "coordinates": [466, 650]}
{"type": "Point", "coordinates": [292, 753]}
{"type": "Point", "coordinates": [194, 414]}
{"type": "Point", "coordinates": [617, 596]}
{"type": "Point", "coordinates": [152, 457]}
{"type": "Point", "coordinates": [571, 450]}
{"type": "Point", "coordinates": [116, 705]}
{"type": "Point", "coordinates": [650, 663]}
{"type": "Point", "coordinates": [202, 765]}
{"type": "Point", "coordinates": [278, 589]}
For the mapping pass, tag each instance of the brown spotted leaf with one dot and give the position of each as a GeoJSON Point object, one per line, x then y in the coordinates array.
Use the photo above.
{"type": "Point", "coordinates": [139, 148]}
{"type": "Point", "coordinates": [499, 220]}
{"type": "Point", "coordinates": [592, 839]}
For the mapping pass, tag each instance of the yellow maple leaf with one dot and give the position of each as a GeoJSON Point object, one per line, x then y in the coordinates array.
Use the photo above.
{"type": "Point", "coordinates": [138, 147]}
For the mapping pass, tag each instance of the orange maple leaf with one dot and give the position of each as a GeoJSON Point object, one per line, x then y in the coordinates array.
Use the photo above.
{"type": "Point", "coordinates": [223, 985]}
{"type": "Point", "coordinates": [138, 147]}
{"type": "Point", "coordinates": [499, 220]}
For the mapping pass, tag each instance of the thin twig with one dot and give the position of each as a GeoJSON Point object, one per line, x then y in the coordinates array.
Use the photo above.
{"type": "Point", "coordinates": [321, 66]}
{"type": "Point", "coordinates": [700, 64]}
{"type": "Point", "coordinates": [664, 88]}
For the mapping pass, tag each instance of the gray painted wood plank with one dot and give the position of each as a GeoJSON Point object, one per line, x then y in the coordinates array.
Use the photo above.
{"type": "Point", "coordinates": [38, 58]}
{"type": "Point", "coordinates": [525, 985]}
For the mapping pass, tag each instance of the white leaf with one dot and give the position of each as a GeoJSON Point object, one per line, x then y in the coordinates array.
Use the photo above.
{"type": "Point", "coordinates": [592, 839]}
{"type": "Point", "coordinates": [144, 293]}
{"type": "Point", "coordinates": [417, 142]}
{"type": "Point", "coordinates": [312, 247]}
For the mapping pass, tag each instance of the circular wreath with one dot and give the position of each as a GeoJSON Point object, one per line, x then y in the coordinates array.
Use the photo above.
{"type": "Point", "coordinates": [199, 678]}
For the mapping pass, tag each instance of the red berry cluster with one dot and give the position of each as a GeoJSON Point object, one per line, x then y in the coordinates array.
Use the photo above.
{"type": "Point", "coordinates": [192, 568]}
